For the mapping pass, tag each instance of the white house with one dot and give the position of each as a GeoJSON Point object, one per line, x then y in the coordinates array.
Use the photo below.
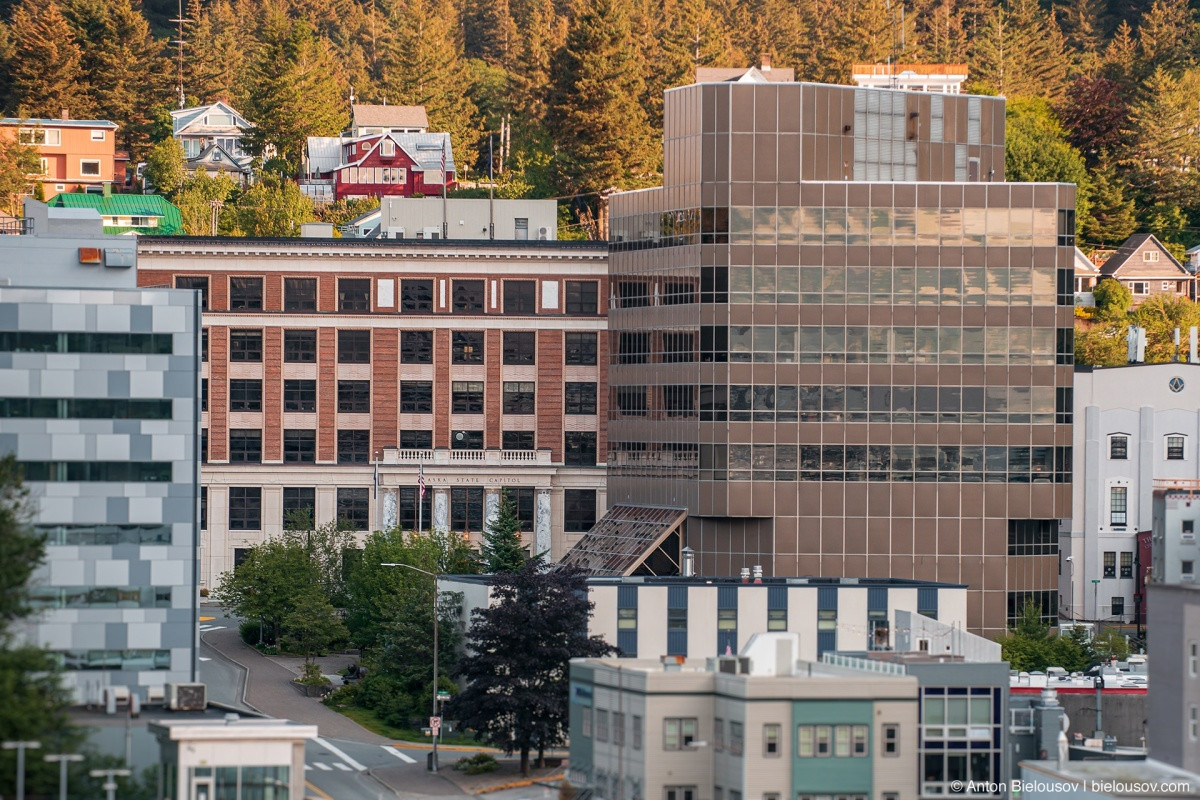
{"type": "Point", "coordinates": [211, 136]}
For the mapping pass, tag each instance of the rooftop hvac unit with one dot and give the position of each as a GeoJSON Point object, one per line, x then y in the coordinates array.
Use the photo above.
{"type": "Point", "coordinates": [543, 233]}
{"type": "Point", "coordinates": [186, 696]}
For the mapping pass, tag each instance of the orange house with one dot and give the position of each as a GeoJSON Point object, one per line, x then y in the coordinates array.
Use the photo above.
{"type": "Point", "coordinates": [76, 153]}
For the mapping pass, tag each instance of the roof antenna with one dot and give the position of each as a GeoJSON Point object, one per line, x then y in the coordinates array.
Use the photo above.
{"type": "Point", "coordinates": [351, 95]}
{"type": "Point", "coordinates": [178, 41]}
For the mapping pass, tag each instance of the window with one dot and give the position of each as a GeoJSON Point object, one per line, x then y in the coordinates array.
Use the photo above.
{"type": "Point", "coordinates": [300, 347]}
{"type": "Point", "coordinates": [1150, 256]}
{"type": "Point", "coordinates": [52, 138]}
{"type": "Point", "coordinates": [204, 511]}
{"type": "Point", "coordinates": [467, 440]}
{"type": "Point", "coordinates": [203, 395]}
{"type": "Point", "coordinates": [299, 507]}
{"type": "Point", "coordinates": [582, 297]}
{"type": "Point", "coordinates": [586, 722]}
{"type": "Point", "coordinates": [633, 348]}
{"type": "Point", "coordinates": [1118, 447]}
{"type": "Point", "coordinates": [1193, 659]}
{"type": "Point", "coordinates": [1186, 567]}
{"type": "Point", "coordinates": [466, 347]}
{"type": "Point", "coordinates": [245, 345]}
{"type": "Point", "coordinates": [466, 397]}
{"type": "Point", "coordinates": [519, 347]}
{"type": "Point", "coordinates": [580, 398]}
{"type": "Point", "coordinates": [518, 397]}
{"type": "Point", "coordinates": [467, 297]}
{"type": "Point", "coordinates": [354, 446]}
{"type": "Point", "coordinates": [245, 446]}
{"type": "Point", "coordinates": [1127, 564]}
{"type": "Point", "coordinates": [1175, 448]}
{"type": "Point", "coordinates": [580, 349]}
{"type": "Point", "coordinates": [416, 397]}
{"type": "Point", "coordinates": [579, 510]}
{"type": "Point", "coordinates": [300, 395]}
{"type": "Point", "coordinates": [579, 448]}
{"type": "Point", "coordinates": [1118, 606]}
{"type": "Point", "coordinates": [1193, 723]}
{"type": "Point", "coordinates": [521, 228]}
{"type": "Point", "coordinates": [777, 619]}
{"type": "Point", "coordinates": [195, 283]}
{"type": "Point", "coordinates": [891, 740]}
{"type": "Point", "coordinates": [411, 515]}
{"type": "Point", "coordinates": [520, 297]}
{"type": "Point", "coordinates": [805, 743]}
{"type": "Point", "coordinates": [771, 733]}
{"type": "Point", "coordinates": [353, 509]}
{"type": "Point", "coordinates": [89, 167]}
{"type": "Point", "coordinates": [517, 440]}
{"type": "Point", "coordinates": [354, 397]}
{"type": "Point", "coordinates": [718, 734]}
{"type": "Point", "coordinates": [1110, 564]}
{"type": "Point", "coordinates": [204, 344]}
{"type": "Point", "coordinates": [299, 446]}
{"type": "Point", "coordinates": [204, 445]}
{"type": "Point", "coordinates": [245, 395]}
{"type": "Point", "coordinates": [354, 294]}
{"type": "Point", "coordinates": [299, 294]}
{"type": "Point", "coordinates": [737, 738]}
{"type": "Point", "coordinates": [859, 744]}
{"type": "Point", "coordinates": [416, 296]}
{"type": "Point", "coordinates": [1116, 502]}
{"type": "Point", "coordinates": [245, 294]}
{"type": "Point", "coordinates": [601, 725]}
{"type": "Point", "coordinates": [354, 347]}
{"type": "Point", "coordinates": [682, 793]}
{"type": "Point", "coordinates": [678, 732]}
{"type": "Point", "coordinates": [841, 741]}
{"type": "Point", "coordinates": [466, 509]}
{"type": "Point", "coordinates": [245, 508]}
{"type": "Point", "coordinates": [1139, 287]}
{"type": "Point", "coordinates": [416, 347]}
{"type": "Point", "coordinates": [416, 440]}
{"type": "Point", "coordinates": [636, 732]}
{"type": "Point", "coordinates": [822, 737]}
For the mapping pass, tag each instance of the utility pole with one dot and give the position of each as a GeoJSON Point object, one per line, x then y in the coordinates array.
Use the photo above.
{"type": "Point", "coordinates": [63, 760]}
{"type": "Point", "coordinates": [21, 747]}
{"type": "Point", "coordinates": [178, 42]}
{"type": "Point", "coordinates": [110, 783]}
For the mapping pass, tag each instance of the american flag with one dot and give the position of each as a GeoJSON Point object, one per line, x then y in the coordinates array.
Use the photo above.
{"type": "Point", "coordinates": [421, 481]}
{"type": "Point", "coordinates": [444, 160]}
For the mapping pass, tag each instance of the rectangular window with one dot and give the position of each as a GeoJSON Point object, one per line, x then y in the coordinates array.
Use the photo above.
{"type": "Point", "coordinates": [1118, 606]}
{"type": "Point", "coordinates": [1193, 723]}
{"type": "Point", "coordinates": [466, 397]}
{"type": "Point", "coordinates": [517, 440]}
{"type": "Point", "coordinates": [89, 167]}
{"type": "Point", "coordinates": [410, 515]}
{"type": "Point", "coordinates": [299, 294]}
{"type": "Point", "coordinates": [601, 725]}
{"type": "Point", "coordinates": [299, 446]}
{"type": "Point", "coordinates": [579, 510]}
{"type": "Point", "coordinates": [467, 297]}
{"type": "Point", "coordinates": [466, 440]}
{"type": "Point", "coordinates": [805, 742]}
{"type": "Point", "coordinates": [737, 738]}
{"type": "Point", "coordinates": [354, 397]}
{"type": "Point", "coordinates": [416, 296]}
{"type": "Point", "coordinates": [841, 741]}
{"type": "Point", "coordinates": [618, 728]}
{"type": "Point", "coordinates": [1118, 448]}
{"type": "Point", "coordinates": [579, 448]}
{"type": "Point", "coordinates": [300, 395]}
{"type": "Point", "coordinates": [518, 397]}
{"type": "Point", "coordinates": [204, 344]}
{"type": "Point", "coordinates": [245, 294]}
{"type": "Point", "coordinates": [466, 510]}
{"type": "Point", "coordinates": [416, 347]}
{"type": "Point", "coordinates": [199, 284]}
{"type": "Point", "coordinates": [245, 395]}
{"type": "Point", "coordinates": [1150, 256]}
{"type": "Point", "coordinates": [859, 745]}
{"type": "Point", "coordinates": [203, 508]}
{"type": "Point", "coordinates": [519, 347]}
{"type": "Point", "coordinates": [354, 294]}
{"type": "Point", "coordinates": [466, 347]}
{"type": "Point", "coordinates": [683, 793]}
{"type": "Point", "coordinates": [353, 509]}
{"type": "Point", "coordinates": [1110, 564]}
{"type": "Point", "coordinates": [521, 228]}
{"type": "Point", "coordinates": [245, 508]}
{"type": "Point", "coordinates": [678, 732]}
{"type": "Point", "coordinates": [354, 347]}
{"type": "Point", "coordinates": [1117, 496]}
{"type": "Point", "coordinates": [586, 722]}
{"type": "Point", "coordinates": [823, 736]}
{"type": "Point", "coordinates": [891, 740]}
{"type": "Point", "coordinates": [636, 732]}
{"type": "Point", "coordinates": [718, 734]}
{"type": "Point", "coordinates": [245, 446]}
{"type": "Point", "coordinates": [416, 440]}
{"type": "Point", "coordinates": [52, 138]}
{"type": "Point", "coordinates": [1127, 564]}
{"type": "Point", "coordinates": [416, 397]}
{"type": "Point", "coordinates": [580, 349]}
{"type": "Point", "coordinates": [1175, 448]}
{"type": "Point", "coordinates": [300, 347]}
{"type": "Point", "coordinates": [771, 733]}
{"type": "Point", "coordinates": [1193, 659]}
{"type": "Point", "coordinates": [579, 398]}
{"type": "Point", "coordinates": [245, 345]}
{"type": "Point", "coordinates": [582, 297]}
{"type": "Point", "coordinates": [299, 507]}
{"type": "Point", "coordinates": [354, 446]}
{"type": "Point", "coordinates": [520, 297]}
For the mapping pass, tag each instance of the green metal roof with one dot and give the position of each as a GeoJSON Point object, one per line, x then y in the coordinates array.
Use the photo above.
{"type": "Point", "coordinates": [170, 222]}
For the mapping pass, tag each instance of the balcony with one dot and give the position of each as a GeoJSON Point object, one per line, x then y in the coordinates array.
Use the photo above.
{"type": "Point", "coordinates": [394, 456]}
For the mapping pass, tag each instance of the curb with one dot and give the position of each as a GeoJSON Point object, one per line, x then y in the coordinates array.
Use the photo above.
{"type": "Point", "coordinates": [519, 784]}
{"type": "Point", "coordinates": [245, 673]}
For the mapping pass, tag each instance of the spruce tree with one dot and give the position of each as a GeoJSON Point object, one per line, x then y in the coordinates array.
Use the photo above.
{"type": "Point", "coordinates": [1164, 145]}
{"type": "Point", "coordinates": [502, 550]}
{"type": "Point", "coordinates": [1167, 37]}
{"type": "Point", "coordinates": [1020, 53]}
{"type": "Point", "coordinates": [1112, 219]}
{"type": "Point", "coordinates": [220, 43]}
{"type": "Point", "coordinates": [691, 36]}
{"type": "Point", "coordinates": [44, 71]}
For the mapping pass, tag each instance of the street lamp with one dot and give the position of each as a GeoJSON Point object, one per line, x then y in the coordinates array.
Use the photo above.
{"type": "Point", "coordinates": [63, 760]}
{"type": "Point", "coordinates": [110, 785]}
{"type": "Point", "coordinates": [21, 747]}
{"type": "Point", "coordinates": [433, 761]}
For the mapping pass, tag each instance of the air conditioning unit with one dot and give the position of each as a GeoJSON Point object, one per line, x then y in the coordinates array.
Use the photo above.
{"type": "Point", "coordinates": [187, 696]}
{"type": "Point", "coordinates": [543, 233]}
{"type": "Point", "coordinates": [155, 695]}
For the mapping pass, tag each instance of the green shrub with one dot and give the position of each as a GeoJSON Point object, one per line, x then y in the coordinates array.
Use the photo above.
{"type": "Point", "coordinates": [477, 764]}
{"type": "Point", "coordinates": [312, 675]}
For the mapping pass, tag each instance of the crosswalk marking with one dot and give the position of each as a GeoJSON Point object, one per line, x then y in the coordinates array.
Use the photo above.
{"type": "Point", "coordinates": [354, 764]}
{"type": "Point", "coordinates": [400, 754]}
{"type": "Point", "coordinates": [207, 628]}
{"type": "Point", "coordinates": [322, 766]}
{"type": "Point", "coordinates": [307, 768]}
{"type": "Point", "coordinates": [341, 766]}
{"type": "Point", "coordinates": [203, 658]}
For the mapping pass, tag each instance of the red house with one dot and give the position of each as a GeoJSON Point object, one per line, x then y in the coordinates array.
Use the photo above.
{"type": "Point", "coordinates": [378, 165]}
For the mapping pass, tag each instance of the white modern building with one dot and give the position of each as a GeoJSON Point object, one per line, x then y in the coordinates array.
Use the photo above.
{"type": "Point", "coordinates": [1133, 426]}
{"type": "Point", "coordinates": [1175, 551]}
{"type": "Point", "coordinates": [99, 403]}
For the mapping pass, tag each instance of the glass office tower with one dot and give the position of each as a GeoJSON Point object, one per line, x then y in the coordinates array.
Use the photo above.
{"type": "Point", "coordinates": [842, 345]}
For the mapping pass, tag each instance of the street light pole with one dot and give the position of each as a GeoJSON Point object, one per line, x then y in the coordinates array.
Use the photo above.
{"type": "Point", "coordinates": [110, 784]}
{"type": "Point", "coordinates": [433, 761]}
{"type": "Point", "coordinates": [21, 747]}
{"type": "Point", "coordinates": [63, 760]}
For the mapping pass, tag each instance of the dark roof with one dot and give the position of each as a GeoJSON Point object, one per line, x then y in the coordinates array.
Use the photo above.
{"type": "Point", "coordinates": [624, 540]}
{"type": "Point", "coordinates": [448, 244]}
{"type": "Point", "coordinates": [732, 580]}
{"type": "Point", "coordinates": [1134, 244]}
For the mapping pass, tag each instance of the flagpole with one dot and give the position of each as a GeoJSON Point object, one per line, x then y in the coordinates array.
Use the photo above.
{"type": "Point", "coordinates": [445, 224]}
{"type": "Point", "coordinates": [421, 497]}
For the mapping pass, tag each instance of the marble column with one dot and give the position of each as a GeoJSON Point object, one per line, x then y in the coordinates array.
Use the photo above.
{"type": "Point", "coordinates": [541, 525]}
{"type": "Point", "coordinates": [441, 510]}
{"type": "Point", "coordinates": [389, 510]}
{"type": "Point", "coordinates": [491, 508]}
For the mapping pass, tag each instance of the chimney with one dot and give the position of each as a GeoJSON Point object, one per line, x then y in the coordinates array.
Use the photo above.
{"type": "Point", "coordinates": [766, 63]}
{"type": "Point", "coordinates": [65, 113]}
{"type": "Point", "coordinates": [689, 562]}
{"type": "Point", "coordinates": [745, 574]}
{"type": "Point", "coordinates": [757, 573]}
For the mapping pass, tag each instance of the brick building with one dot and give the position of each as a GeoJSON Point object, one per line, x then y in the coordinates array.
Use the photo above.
{"type": "Point", "coordinates": [335, 369]}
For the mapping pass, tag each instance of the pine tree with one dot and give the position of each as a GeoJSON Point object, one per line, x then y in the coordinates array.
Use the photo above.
{"type": "Point", "coordinates": [1083, 28]}
{"type": "Point", "coordinates": [219, 45]}
{"type": "Point", "coordinates": [1163, 143]}
{"type": "Point", "coordinates": [489, 32]}
{"type": "Point", "coordinates": [543, 33]}
{"type": "Point", "coordinates": [44, 69]}
{"type": "Point", "coordinates": [599, 127]}
{"type": "Point", "coordinates": [1112, 219]}
{"type": "Point", "coordinates": [691, 36]}
{"type": "Point", "coordinates": [502, 550]}
{"type": "Point", "coordinates": [1167, 37]}
{"type": "Point", "coordinates": [1120, 61]}
{"type": "Point", "coordinates": [1020, 53]}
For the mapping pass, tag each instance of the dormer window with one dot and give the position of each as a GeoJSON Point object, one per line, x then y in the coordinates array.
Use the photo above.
{"type": "Point", "coordinates": [1150, 256]}
{"type": "Point", "coordinates": [387, 148]}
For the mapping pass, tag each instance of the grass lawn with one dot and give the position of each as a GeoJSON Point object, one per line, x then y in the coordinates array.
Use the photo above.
{"type": "Point", "coordinates": [367, 718]}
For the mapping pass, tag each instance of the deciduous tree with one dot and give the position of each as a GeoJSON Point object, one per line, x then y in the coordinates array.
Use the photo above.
{"type": "Point", "coordinates": [272, 207]}
{"type": "Point", "coordinates": [17, 163]}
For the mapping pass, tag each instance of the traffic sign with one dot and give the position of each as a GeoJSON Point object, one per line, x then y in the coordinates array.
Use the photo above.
{"type": "Point", "coordinates": [434, 724]}
{"type": "Point", "coordinates": [443, 695]}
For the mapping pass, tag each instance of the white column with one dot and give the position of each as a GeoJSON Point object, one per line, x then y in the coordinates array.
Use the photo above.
{"type": "Point", "coordinates": [491, 507]}
{"type": "Point", "coordinates": [389, 509]}
{"type": "Point", "coordinates": [441, 510]}
{"type": "Point", "coordinates": [541, 525]}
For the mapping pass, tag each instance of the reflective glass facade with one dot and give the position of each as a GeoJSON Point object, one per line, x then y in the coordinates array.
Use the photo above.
{"type": "Point", "coordinates": [842, 342]}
